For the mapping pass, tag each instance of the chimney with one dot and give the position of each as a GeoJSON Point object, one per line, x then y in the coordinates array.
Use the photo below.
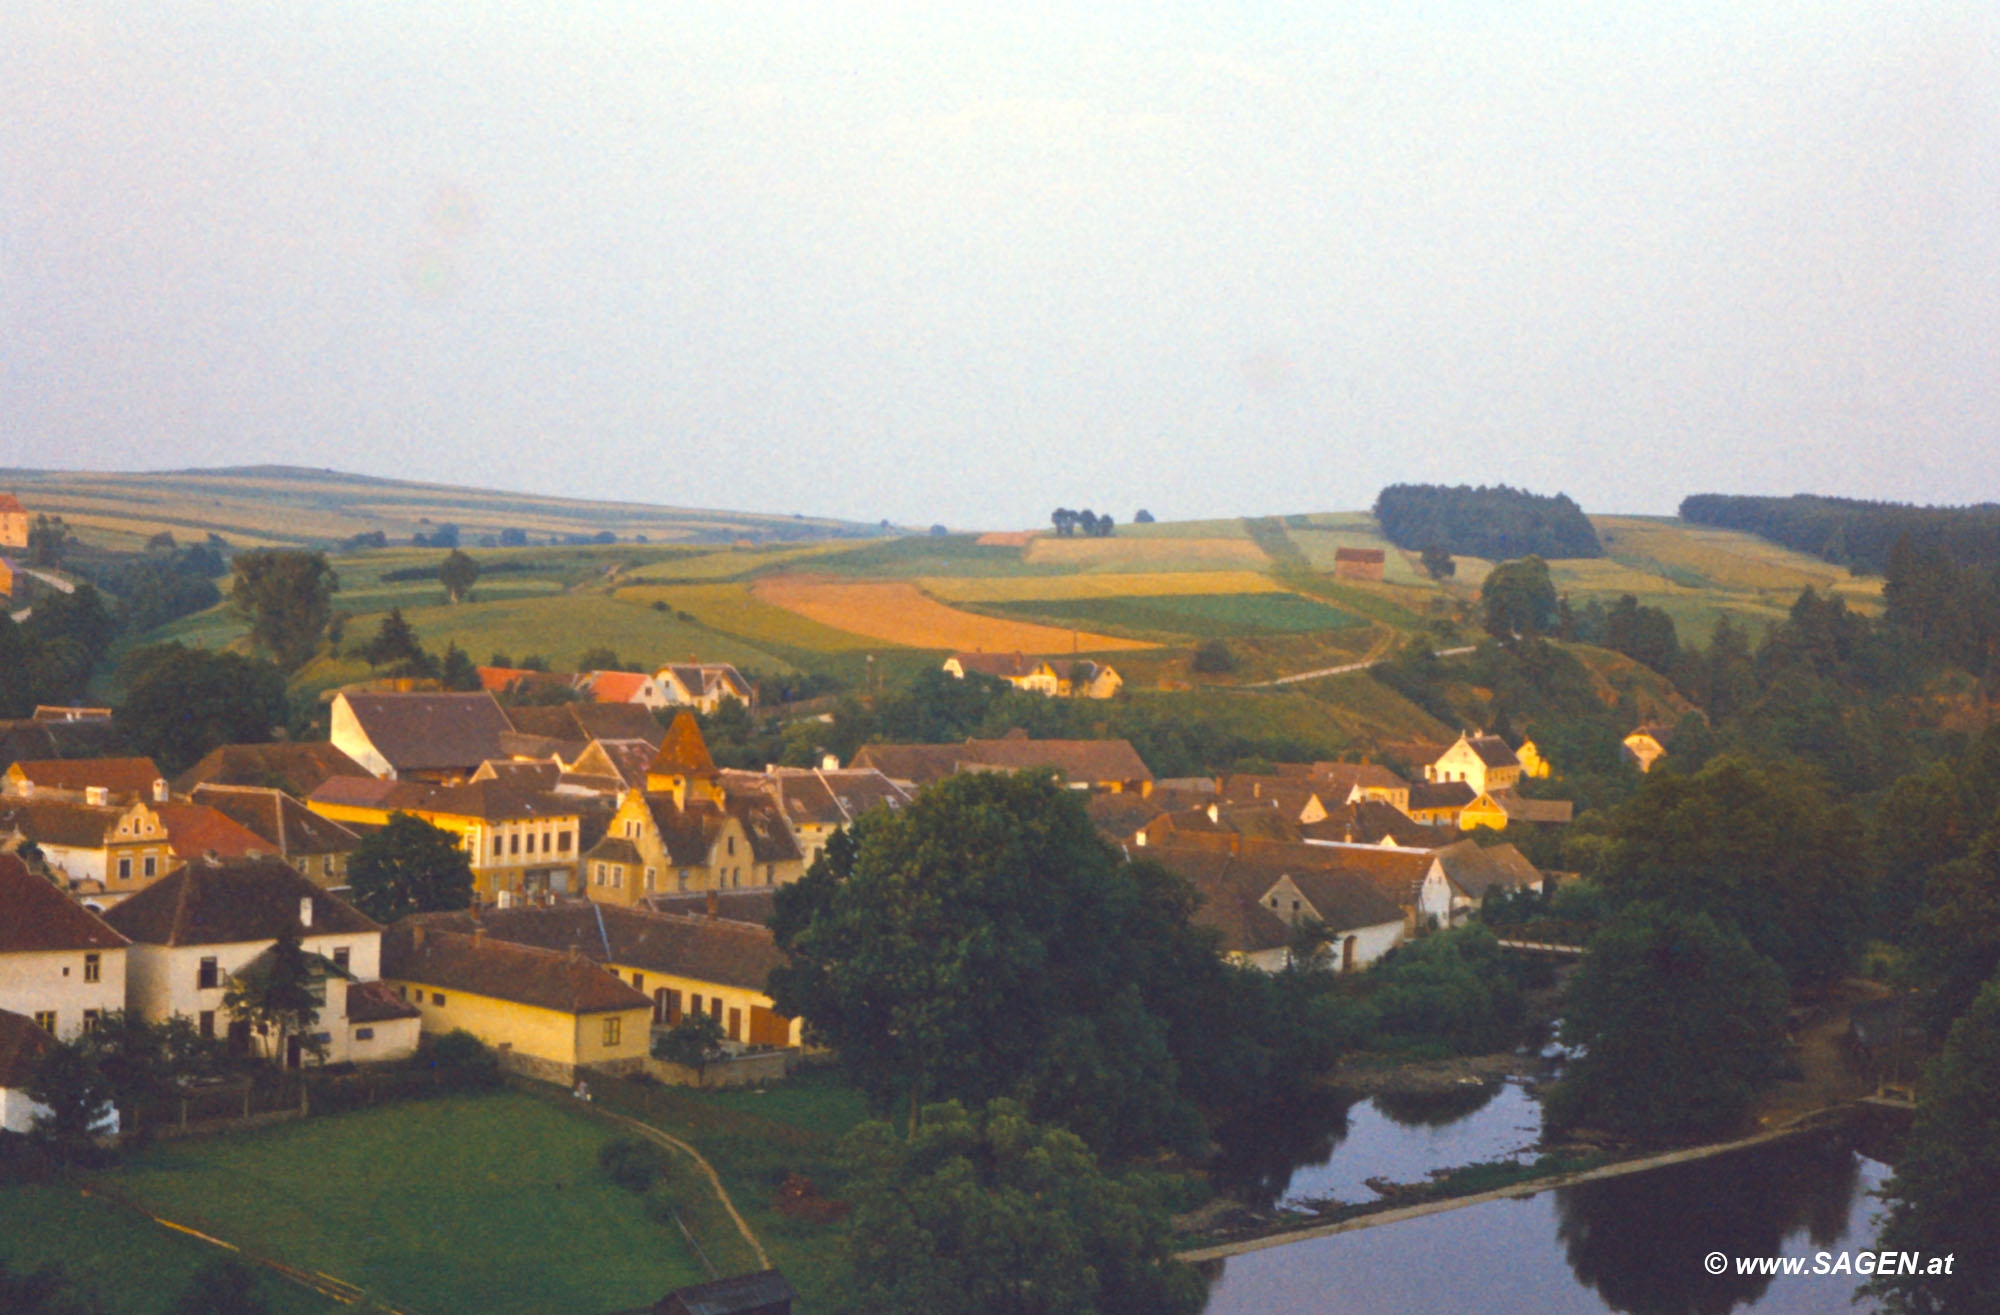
{"type": "Point", "coordinates": [1214, 813]}
{"type": "Point", "coordinates": [160, 795]}
{"type": "Point", "coordinates": [1146, 789]}
{"type": "Point", "coordinates": [1139, 839]}
{"type": "Point", "coordinates": [714, 905]}
{"type": "Point", "coordinates": [830, 763]}
{"type": "Point", "coordinates": [96, 795]}
{"type": "Point", "coordinates": [305, 910]}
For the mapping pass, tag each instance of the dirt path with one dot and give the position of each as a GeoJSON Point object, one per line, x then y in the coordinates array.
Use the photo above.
{"type": "Point", "coordinates": [673, 1143]}
{"type": "Point", "coordinates": [1379, 653]}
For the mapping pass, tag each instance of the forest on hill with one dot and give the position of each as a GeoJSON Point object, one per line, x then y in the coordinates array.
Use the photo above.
{"type": "Point", "coordinates": [1852, 532]}
{"type": "Point", "coordinates": [1494, 522]}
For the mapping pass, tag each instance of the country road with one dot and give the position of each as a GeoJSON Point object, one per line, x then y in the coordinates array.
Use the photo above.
{"type": "Point", "coordinates": [1362, 665]}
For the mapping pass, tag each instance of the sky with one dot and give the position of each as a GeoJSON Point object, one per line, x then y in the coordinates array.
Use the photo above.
{"type": "Point", "coordinates": [965, 264]}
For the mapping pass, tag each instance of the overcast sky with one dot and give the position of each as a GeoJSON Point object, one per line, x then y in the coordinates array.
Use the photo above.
{"type": "Point", "coordinates": [931, 262]}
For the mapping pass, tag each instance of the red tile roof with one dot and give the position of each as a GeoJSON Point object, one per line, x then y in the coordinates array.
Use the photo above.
{"type": "Point", "coordinates": [36, 917]}
{"type": "Point", "coordinates": [195, 829]}
{"type": "Point", "coordinates": [290, 827]}
{"type": "Point", "coordinates": [10, 503]}
{"type": "Point", "coordinates": [616, 686]}
{"type": "Point", "coordinates": [415, 950]}
{"type": "Point", "coordinates": [726, 951]}
{"type": "Point", "coordinates": [377, 1002]}
{"type": "Point", "coordinates": [130, 777]}
{"type": "Point", "coordinates": [294, 766]}
{"type": "Point", "coordinates": [230, 903]}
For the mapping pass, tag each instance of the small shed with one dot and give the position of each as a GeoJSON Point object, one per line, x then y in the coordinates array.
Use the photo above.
{"type": "Point", "coordinates": [1358, 563]}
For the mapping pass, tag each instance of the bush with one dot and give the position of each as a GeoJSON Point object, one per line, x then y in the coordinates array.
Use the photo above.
{"type": "Point", "coordinates": [1213, 658]}
{"type": "Point", "coordinates": [631, 1163]}
{"type": "Point", "coordinates": [464, 1060]}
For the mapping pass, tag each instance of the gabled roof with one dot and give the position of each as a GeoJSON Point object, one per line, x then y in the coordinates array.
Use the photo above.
{"type": "Point", "coordinates": [358, 791]}
{"type": "Point", "coordinates": [195, 829]}
{"type": "Point", "coordinates": [1371, 821]}
{"type": "Point", "coordinates": [131, 778]}
{"type": "Point", "coordinates": [687, 833]}
{"type": "Point", "coordinates": [1440, 794]}
{"type": "Point", "coordinates": [1475, 869]}
{"type": "Point", "coordinates": [431, 732]}
{"type": "Point", "coordinates": [1343, 900]}
{"type": "Point", "coordinates": [701, 679]}
{"type": "Point", "coordinates": [751, 904]}
{"type": "Point", "coordinates": [230, 903]}
{"type": "Point", "coordinates": [812, 796]}
{"type": "Point", "coordinates": [294, 766]}
{"type": "Point", "coordinates": [22, 1045]}
{"type": "Point", "coordinates": [683, 752]}
{"type": "Point", "coordinates": [725, 951]}
{"type": "Point", "coordinates": [1006, 666]}
{"type": "Point", "coordinates": [61, 822]}
{"type": "Point", "coordinates": [615, 721]}
{"type": "Point", "coordinates": [1492, 750]}
{"type": "Point", "coordinates": [377, 1002]}
{"type": "Point", "coordinates": [622, 761]}
{"type": "Point", "coordinates": [10, 503]}
{"type": "Point", "coordinates": [36, 917]}
{"type": "Point", "coordinates": [1342, 778]}
{"type": "Point", "coordinates": [425, 949]}
{"type": "Point", "coordinates": [771, 840]}
{"type": "Point", "coordinates": [288, 825]}
{"type": "Point", "coordinates": [614, 686]}
{"type": "Point", "coordinates": [521, 773]}
{"type": "Point", "coordinates": [1519, 808]}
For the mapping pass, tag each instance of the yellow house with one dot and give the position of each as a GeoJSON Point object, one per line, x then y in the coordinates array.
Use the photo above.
{"type": "Point", "coordinates": [1483, 762]}
{"type": "Point", "coordinates": [550, 1014]}
{"type": "Point", "coordinates": [1438, 803]}
{"type": "Point", "coordinates": [1496, 808]}
{"type": "Point", "coordinates": [1648, 744]}
{"type": "Point", "coordinates": [1532, 762]}
{"type": "Point", "coordinates": [657, 844]}
{"type": "Point", "coordinates": [13, 522]}
{"type": "Point", "coordinates": [1053, 677]}
{"type": "Point", "coordinates": [519, 840]}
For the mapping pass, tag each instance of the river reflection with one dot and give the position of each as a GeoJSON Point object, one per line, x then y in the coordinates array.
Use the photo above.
{"type": "Point", "coordinates": [1633, 1245]}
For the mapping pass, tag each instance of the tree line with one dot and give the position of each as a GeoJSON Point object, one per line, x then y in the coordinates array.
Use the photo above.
{"type": "Point", "coordinates": [1494, 522]}
{"type": "Point", "coordinates": [1852, 532]}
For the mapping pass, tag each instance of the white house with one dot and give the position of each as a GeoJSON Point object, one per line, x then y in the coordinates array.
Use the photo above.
{"type": "Point", "coordinates": [61, 966]}
{"type": "Point", "coordinates": [195, 930]}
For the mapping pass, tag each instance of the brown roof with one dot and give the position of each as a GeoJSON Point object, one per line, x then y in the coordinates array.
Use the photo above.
{"type": "Point", "coordinates": [61, 822]}
{"type": "Point", "coordinates": [1342, 778]}
{"type": "Point", "coordinates": [529, 774]}
{"type": "Point", "coordinates": [683, 752]}
{"type": "Point", "coordinates": [377, 1002]}
{"type": "Point", "coordinates": [1232, 884]}
{"type": "Point", "coordinates": [1519, 808]}
{"type": "Point", "coordinates": [1492, 750]}
{"type": "Point", "coordinates": [196, 829]}
{"type": "Point", "coordinates": [1371, 821]}
{"type": "Point", "coordinates": [22, 1046]}
{"type": "Point", "coordinates": [1343, 899]}
{"type": "Point", "coordinates": [229, 903]}
{"type": "Point", "coordinates": [771, 840]}
{"type": "Point", "coordinates": [1440, 794]}
{"type": "Point", "coordinates": [1075, 760]}
{"type": "Point", "coordinates": [431, 732]}
{"type": "Point", "coordinates": [288, 825]}
{"type": "Point", "coordinates": [546, 978]}
{"type": "Point", "coordinates": [810, 796]}
{"type": "Point", "coordinates": [689, 834]}
{"type": "Point", "coordinates": [132, 778]}
{"type": "Point", "coordinates": [704, 678]}
{"type": "Point", "coordinates": [752, 904]}
{"type": "Point", "coordinates": [621, 761]}
{"type": "Point", "coordinates": [1373, 555]}
{"type": "Point", "coordinates": [1475, 869]}
{"type": "Point", "coordinates": [295, 766]}
{"type": "Point", "coordinates": [724, 951]}
{"type": "Point", "coordinates": [491, 800]}
{"type": "Point", "coordinates": [35, 916]}
{"type": "Point", "coordinates": [616, 721]}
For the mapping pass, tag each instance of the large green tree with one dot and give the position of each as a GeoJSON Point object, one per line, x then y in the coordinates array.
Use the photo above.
{"type": "Point", "coordinates": [279, 993]}
{"type": "Point", "coordinates": [409, 866]}
{"type": "Point", "coordinates": [1760, 847]}
{"type": "Point", "coordinates": [1518, 599]}
{"type": "Point", "coordinates": [990, 1212]}
{"type": "Point", "coordinates": [456, 573]}
{"type": "Point", "coordinates": [1678, 1018]}
{"type": "Point", "coordinates": [1945, 1195]}
{"type": "Point", "coordinates": [985, 942]}
{"type": "Point", "coordinates": [181, 702]}
{"type": "Point", "coordinates": [288, 596]}
{"type": "Point", "coordinates": [397, 647]}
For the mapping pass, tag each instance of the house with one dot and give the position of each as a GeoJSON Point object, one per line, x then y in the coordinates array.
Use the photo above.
{"type": "Point", "coordinates": [1475, 872]}
{"type": "Point", "coordinates": [550, 1014]}
{"type": "Point", "coordinates": [61, 966]}
{"type": "Point", "coordinates": [196, 830]}
{"type": "Point", "coordinates": [1360, 923]}
{"type": "Point", "coordinates": [85, 780]}
{"type": "Point", "coordinates": [13, 522]}
{"type": "Point", "coordinates": [1255, 899]}
{"type": "Point", "coordinates": [634, 687]}
{"type": "Point", "coordinates": [1086, 764]}
{"type": "Point", "coordinates": [520, 840]}
{"type": "Point", "coordinates": [1053, 677]}
{"type": "Point", "coordinates": [690, 962]}
{"type": "Point", "coordinates": [1438, 803]}
{"type": "Point", "coordinates": [193, 931]}
{"type": "Point", "coordinates": [580, 723]}
{"type": "Point", "coordinates": [1347, 783]}
{"type": "Point", "coordinates": [1372, 822]}
{"type": "Point", "coordinates": [661, 841]}
{"type": "Point", "coordinates": [1496, 808]}
{"type": "Point", "coordinates": [1532, 762]}
{"type": "Point", "coordinates": [430, 737]}
{"type": "Point", "coordinates": [1647, 744]}
{"type": "Point", "coordinates": [101, 852]}
{"type": "Point", "coordinates": [1225, 827]}
{"type": "Point", "coordinates": [1411, 879]}
{"type": "Point", "coordinates": [1482, 761]}
{"type": "Point", "coordinates": [704, 685]}
{"type": "Point", "coordinates": [1297, 798]}
{"type": "Point", "coordinates": [295, 766]}
{"type": "Point", "coordinates": [817, 801]}
{"type": "Point", "coordinates": [766, 1292]}
{"type": "Point", "coordinates": [39, 738]}
{"type": "Point", "coordinates": [317, 846]}
{"type": "Point", "coordinates": [22, 1044]}
{"type": "Point", "coordinates": [1358, 563]}
{"type": "Point", "coordinates": [521, 680]}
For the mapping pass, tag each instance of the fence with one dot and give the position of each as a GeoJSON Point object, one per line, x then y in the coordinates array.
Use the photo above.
{"type": "Point", "coordinates": [276, 1097]}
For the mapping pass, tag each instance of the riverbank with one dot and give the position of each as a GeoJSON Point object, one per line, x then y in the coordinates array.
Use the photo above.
{"type": "Point", "coordinates": [1365, 1076]}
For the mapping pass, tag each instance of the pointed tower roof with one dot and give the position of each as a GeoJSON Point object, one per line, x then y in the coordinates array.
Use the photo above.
{"type": "Point", "coordinates": [683, 752]}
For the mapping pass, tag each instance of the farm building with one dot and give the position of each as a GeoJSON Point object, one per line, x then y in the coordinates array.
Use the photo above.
{"type": "Point", "coordinates": [1054, 677]}
{"type": "Point", "coordinates": [1358, 563]}
{"type": "Point", "coordinates": [13, 522]}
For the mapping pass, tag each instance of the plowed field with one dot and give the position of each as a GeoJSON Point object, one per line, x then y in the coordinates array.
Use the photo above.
{"type": "Point", "coordinates": [896, 612]}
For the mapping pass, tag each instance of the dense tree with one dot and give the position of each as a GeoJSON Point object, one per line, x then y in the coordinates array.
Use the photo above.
{"type": "Point", "coordinates": [1957, 938]}
{"type": "Point", "coordinates": [1142, 517]}
{"type": "Point", "coordinates": [1212, 657]}
{"type": "Point", "coordinates": [278, 995]}
{"type": "Point", "coordinates": [1760, 848]}
{"type": "Point", "coordinates": [288, 596]}
{"type": "Point", "coordinates": [1852, 532]}
{"type": "Point", "coordinates": [1678, 1018]}
{"type": "Point", "coordinates": [1645, 634]}
{"type": "Point", "coordinates": [396, 647]}
{"type": "Point", "coordinates": [456, 573]}
{"type": "Point", "coordinates": [695, 1042]}
{"type": "Point", "coordinates": [1518, 599]}
{"type": "Point", "coordinates": [409, 866]}
{"type": "Point", "coordinates": [1945, 1194]}
{"type": "Point", "coordinates": [181, 702]}
{"type": "Point", "coordinates": [442, 536]}
{"type": "Point", "coordinates": [44, 1291]}
{"type": "Point", "coordinates": [457, 672]}
{"type": "Point", "coordinates": [600, 658]}
{"type": "Point", "coordinates": [49, 541]}
{"type": "Point", "coordinates": [1437, 563]}
{"type": "Point", "coordinates": [1449, 988]}
{"type": "Point", "coordinates": [989, 1212]}
{"type": "Point", "coordinates": [75, 1096]}
{"type": "Point", "coordinates": [1495, 523]}
{"type": "Point", "coordinates": [513, 538]}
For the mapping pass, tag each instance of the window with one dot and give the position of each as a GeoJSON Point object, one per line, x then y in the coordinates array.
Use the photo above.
{"type": "Point", "coordinates": [651, 875]}
{"type": "Point", "coordinates": [614, 1029]}
{"type": "Point", "coordinates": [732, 845]}
{"type": "Point", "coordinates": [364, 1034]}
{"type": "Point", "coordinates": [46, 1020]}
{"type": "Point", "coordinates": [515, 846]}
{"type": "Point", "coordinates": [152, 866]}
{"type": "Point", "coordinates": [93, 967]}
{"type": "Point", "coordinates": [597, 874]}
{"type": "Point", "coordinates": [326, 866]}
{"type": "Point", "coordinates": [207, 977]}
{"type": "Point", "coordinates": [90, 1017]}
{"type": "Point", "coordinates": [638, 981]}
{"type": "Point", "coordinates": [207, 1023]}
{"type": "Point", "coordinates": [340, 956]}
{"type": "Point", "coordinates": [437, 998]}
{"type": "Point", "coordinates": [124, 869]}
{"type": "Point", "coordinates": [715, 1009]}
{"type": "Point", "coordinates": [303, 864]}
{"type": "Point", "coordinates": [694, 1003]}
{"type": "Point", "coordinates": [499, 846]}
{"type": "Point", "coordinates": [563, 842]}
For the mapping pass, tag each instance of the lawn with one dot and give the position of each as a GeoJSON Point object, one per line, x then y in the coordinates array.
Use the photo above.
{"type": "Point", "coordinates": [127, 1263]}
{"type": "Point", "coordinates": [1204, 616]}
{"type": "Point", "coordinates": [951, 554]}
{"type": "Point", "coordinates": [1122, 554]}
{"type": "Point", "coordinates": [490, 1202]}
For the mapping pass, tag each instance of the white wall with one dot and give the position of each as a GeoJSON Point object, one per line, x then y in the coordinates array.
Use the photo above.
{"type": "Point", "coordinates": [163, 981]}
{"type": "Point", "coordinates": [348, 737]}
{"type": "Point", "coordinates": [53, 979]}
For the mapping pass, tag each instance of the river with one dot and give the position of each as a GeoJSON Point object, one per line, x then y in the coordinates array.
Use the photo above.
{"type": "Point", "coordinates": [1634, 1244]}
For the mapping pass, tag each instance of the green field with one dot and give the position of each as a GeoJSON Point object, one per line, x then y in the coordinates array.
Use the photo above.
{"type": "Point", "coordinates": [491, 1203]}
{"type": "Point", "coordinates": [1204, 616]}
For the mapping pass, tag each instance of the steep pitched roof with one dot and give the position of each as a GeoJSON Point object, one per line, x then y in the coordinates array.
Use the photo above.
{"type": "Point", "coordinates": [622, 761]}
{"type": "Point", "coordinates": [688, 833]}
{"type": "Point", "coordinates": [1371, 821]}
{"type": "Point", "coordinates": [1492, 750]}
{"type": "Point", "coordinates": [61, 822]}
{"type": "Point", "coordinates": [295, 766]}
{"type": "Point", "coordinates": [195, 829]}
{"type": "Point", "coordinates": [1475, 869]}
{"type": "Point", "coordinates": [1342, 778]}
{"type": "Point", "coordinates": [1440, 794]}
{"type": "Point", "coordinates": [35, 916]}
{"type": "Point", "coordinates": [377, 1002]}
{"type": "Point", "coordinates": [430, 732]}
{"type": "Point", "coordinates": [132, 778]}
{"type": "Point", "coordinates": [771, 840]}
{"type": "Point", "coordinates": [614, 686]}
{"type": "Point", "coordinates": [724, 951]}
{"type": "Point", "coordinates": [22, 1046]}
{"type": "Point", "coordinates": [229, 903]}
{"type": "Point", "coordinates": [419, 950]}
{"type": "Point", "coordinates": [683, 751]}
{"type": "Point", "coordinates": [290, 827]}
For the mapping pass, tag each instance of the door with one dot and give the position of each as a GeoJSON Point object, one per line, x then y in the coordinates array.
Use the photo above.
{"type": "Point", "coordinates": [735, 1024]}
{"type": "Point", "coordinates": [293, 1049]}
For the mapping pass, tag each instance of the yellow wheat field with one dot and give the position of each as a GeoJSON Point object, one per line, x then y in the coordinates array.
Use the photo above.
{"type": "Point", "coordinates": [897, 612]}
{"type": "Point", "coordinates": [1138, 584]}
